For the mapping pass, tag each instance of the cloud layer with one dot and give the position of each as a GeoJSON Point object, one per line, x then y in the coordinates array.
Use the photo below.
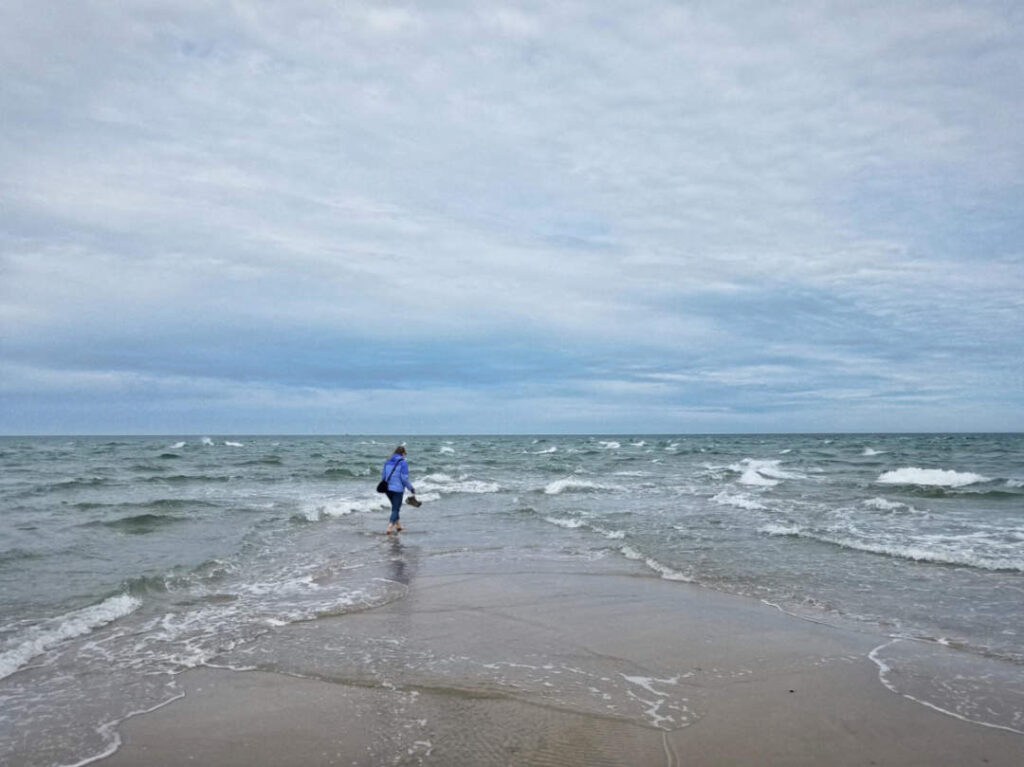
{"type": "Point", "coordinates": [451, 217]}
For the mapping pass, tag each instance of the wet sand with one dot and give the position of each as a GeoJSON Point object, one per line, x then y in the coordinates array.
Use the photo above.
{"type": "Point", "coordinates": [554, 663]}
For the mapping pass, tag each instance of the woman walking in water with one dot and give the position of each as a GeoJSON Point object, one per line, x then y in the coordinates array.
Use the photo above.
{"type": "Point", "coordinates": [396, 474]}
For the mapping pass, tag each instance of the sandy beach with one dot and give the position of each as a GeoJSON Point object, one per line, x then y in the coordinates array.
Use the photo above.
{"type": "Point", "coordinates": [555, 663]}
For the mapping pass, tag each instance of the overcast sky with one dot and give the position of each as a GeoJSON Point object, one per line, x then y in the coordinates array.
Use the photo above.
{"type": "Point", "coordinates": [449, 217]}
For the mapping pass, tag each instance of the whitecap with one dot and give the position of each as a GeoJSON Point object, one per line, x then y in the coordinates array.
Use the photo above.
{"type": "Point", "coordinates": [206, 441]}
{"type": "Point", "coordinates": [444, 483]}
{"type": "Point", "coordinates": [610, 445]}
{"type": "Point", "coordinates": [177, 446]}
{"type": "Point", "coordinates": [446, 449]}
{"type": "Point", "coordinates": [779, 530]}
{"type": "Point", "coordinates": [38, 639]}
{"type": "Point", "coordinates": [752, 476]}
{"type": "Point", "coordinates": [771, 469]}
{"type": "Point", "coordinates": [761, 472]}
{"type": "Point", "coordinates": [551, 449]}
{"type": "Point", "coordinates": [570, 524]}
{"type": "Point", "coordinates": [868, 451]}
{"type": "Point", "coordinates": [738, 501]}
{"type": "Point", "coordinates": [571, 484]}
{"type": "Point", "coordinates": [229, 443]}
{"type": "Point", "coordinates": [930, 477]}
{"type": "Point", "coordinates": [883, 504]}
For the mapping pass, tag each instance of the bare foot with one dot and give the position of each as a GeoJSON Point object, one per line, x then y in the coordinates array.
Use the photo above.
{"type": "Point", "coordinates": [388, 531]}
{"type": "Point", "coordinates": [399, 528]}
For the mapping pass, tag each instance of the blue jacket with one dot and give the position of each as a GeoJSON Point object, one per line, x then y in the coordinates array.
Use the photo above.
{"type": "Point", "coordinates": [400, 479]}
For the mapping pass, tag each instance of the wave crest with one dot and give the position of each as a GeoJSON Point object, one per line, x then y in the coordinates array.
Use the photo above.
{"type": "Point", "coordinates": [915, 552]}
{"type": "Point", "coordinates": [572, 484]}
{"type": "Point", "coordinates": [443, 483]}
{"type": "Point", "coordinates": [912, 475]}
{"type": "Point", "coordinates": [738, 501]}
{"type": "Point", "coordinates": [38, 639]}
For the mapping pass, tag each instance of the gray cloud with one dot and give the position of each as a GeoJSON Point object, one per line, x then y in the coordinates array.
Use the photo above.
{"type": "Point", "coordinates": [572, 196]}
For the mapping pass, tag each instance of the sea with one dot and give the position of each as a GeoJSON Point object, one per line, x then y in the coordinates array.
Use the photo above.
{"type": "Point", "coordinates": [127, 560]}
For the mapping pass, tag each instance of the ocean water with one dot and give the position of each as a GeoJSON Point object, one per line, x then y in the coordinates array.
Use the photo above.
{"type": "Point", "coordinates": [124, 561]}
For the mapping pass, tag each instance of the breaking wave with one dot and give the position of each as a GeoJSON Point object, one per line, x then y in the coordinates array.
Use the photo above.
{"type": "Point", "coordinates": [342, 507]}
{"type": "Point", "coordinates": [738, 501]}
{"type": "Point", "coordinates": [38, 639]}
{"type": "Point", "coordinates": [573, 485]}
{"type": "Point", "coordinates": [443, 483]}
{"type": "Point", "coordinates": [930, 477]}
{"type": "Point", "coordinates": [943, 555]}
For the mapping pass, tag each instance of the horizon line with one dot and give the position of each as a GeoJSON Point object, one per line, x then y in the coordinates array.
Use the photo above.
{"type": "Point", "coordinates": [504, 434]}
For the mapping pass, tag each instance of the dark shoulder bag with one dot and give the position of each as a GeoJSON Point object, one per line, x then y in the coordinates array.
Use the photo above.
{"type": "Point", "coordinates": [382, 486]}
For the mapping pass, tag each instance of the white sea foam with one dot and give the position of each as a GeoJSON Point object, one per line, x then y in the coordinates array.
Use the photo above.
{"type": "Point", "coordinates": [610, 445]}
{"type": "Point", "coordinates": [229, 443]}
{"type": "Point", "coordinates": [646, 682]}
{"type": "Point", "coordinates": [641, 443]}
{"type": "Point", "coordinates": [571, 484]}
{"type": "Point", "coordinates": [883, 504]}
{"type": "Point", "coordinates": [773, 529]}
{"type": "Point", "coordinates": [762, 473]}
{"type": "Point", "coordinates": [112, 738]}
{"type": "Point", "coordinates": [738, 501]}
{"type": "Point", "coordinates": [279, 586]}
{"type": "Point", "coordinates": [871, 451]}
{"type": "Point", "coordinates": [1015, 483]}
{"type": "Point", "coordinates": [551, 449]}
{"type": "Point", "coordinates": [570, 524]}
{"type": "Point", "coordinates": [885, 670]}
{"type": "Point", "coordinates": [206, 441]}
{"type": "Point", "coordinates": [930, 477]}
{"type": "Point", "coordinates": [751, 476]}
{"type": "Point", "coordinates": [341, 507]}
{"type": "Point", "coordinates": [787, 450]}
{"type": "Point", "coordinates": [666, 572]}
{"type": "Point", "coordinates": [771, 469]}
{"type": "Point", "coordinates": [446, 449]}
{"type": "Point", "coordinates": [630, 553]}
{"type": "Point", "coordinates": [177, 446]}
{"type": "Point", "coordinates": [443, 483]}
{"type": "Point", "coordinates": [612, 535]}
{"type": "Point", "coordinates": [945, 553]}
{"type": "Point", "coordinates": [38, 639]}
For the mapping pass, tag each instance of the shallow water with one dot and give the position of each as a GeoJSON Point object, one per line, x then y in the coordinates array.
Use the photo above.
{"type": "Point", "coordinates": [140, 557]}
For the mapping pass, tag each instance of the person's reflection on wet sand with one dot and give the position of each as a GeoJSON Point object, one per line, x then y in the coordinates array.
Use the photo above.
{"type": "Point", "coordinates": [401, 569]}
